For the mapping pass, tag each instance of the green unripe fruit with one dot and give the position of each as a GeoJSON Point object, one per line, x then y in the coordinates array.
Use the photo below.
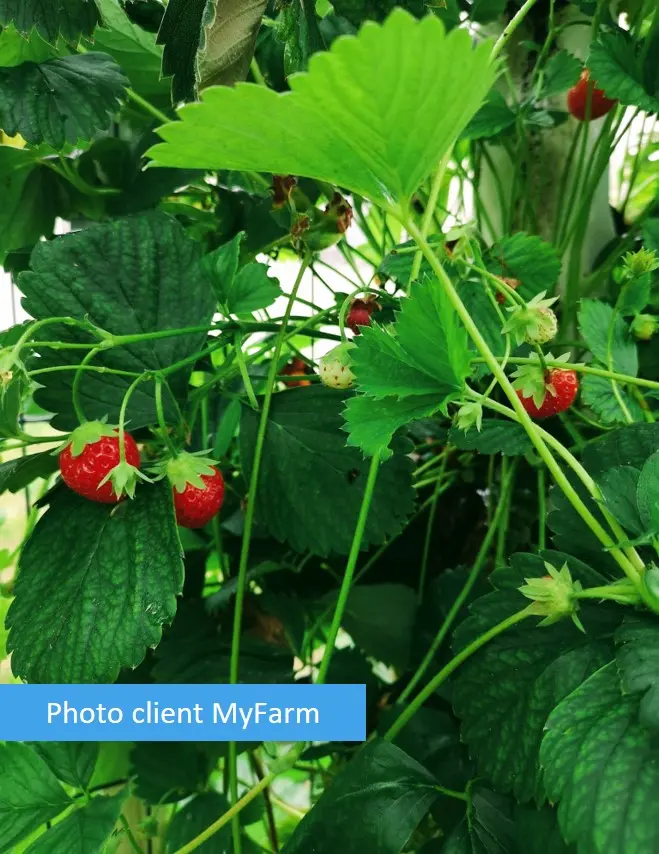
{"type": "Point", "coordinates": [334, 367]}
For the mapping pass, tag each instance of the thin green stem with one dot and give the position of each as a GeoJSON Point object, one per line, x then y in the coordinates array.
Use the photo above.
{"type": "Point", "coordinates": [129, 834]}
{"type": "Point", "coordinates": [161, 418]}
{"type": "Point", "coordinates": [247, 382]}
{"type": "Point", "coordinates": [408, 713]}
{"type": "Point", "coordinates": [474, 574]}
{"type": "Point", "coordinates": [77, 379]}
{"type": "Point", "coordinates": [511, 28]}
{"type": "Point", "coordinates": [426, 222]}
{"type": "Point", "coordinates": [542, 509]}
{"type": "Point", "coordinates": [122, 412]}
{"type": "Point", "coordinates": [439, 488]}
{"type": "Point", "coordinates": [344, 590]}
{"type": "Point", "coordinates": [148, 107]}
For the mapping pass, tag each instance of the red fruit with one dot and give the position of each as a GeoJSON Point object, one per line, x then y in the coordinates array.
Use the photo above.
{"type": "Point", "coordinates": [196, 506]}
{"type": "Point", "coordinates": [578, 96]}
{"type": "Point", "coordinates": [359, 314]}
{"type": "Point", "coordinates": [84, 472]}
{"type": "Point", "coordinates": [295, 368]}
{"type": "Point", "coordinates": [561, 390]}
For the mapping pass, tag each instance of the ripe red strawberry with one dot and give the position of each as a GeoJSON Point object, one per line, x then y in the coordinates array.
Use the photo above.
{"type": "Point", "coordinates": [197, 486]}
{"type": "Point", "coordinates": [560, 390]}
{"type": "Point", "coordinates": [90, 459]}
{"type": "Point", "coordinates": [579, 95]}
{"type": "Point", "coordinates": [295, 368]}
{"type": "Point", "coordinates": [359, 314]}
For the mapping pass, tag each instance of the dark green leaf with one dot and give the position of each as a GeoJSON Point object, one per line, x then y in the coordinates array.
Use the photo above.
{"type": "Point", "coordinates": [636, 295]}
{"type": "Point", "coordinates": [488, 827]}
{"type": "Point", "coordinates": [128, 276]}
{"type": "Point", "coordinates": [608, 336]}
{"type": "Point", "coordinates": [628, 446]}
{"type": "Point", "coordinates": [311, 485]}
{"type": "Point", "coordinates": [18, 473]}
{"type": "Point", "coordinates": [602, 765]}
{"type": "Point", "coordinates": [614, 62]}
{"type": "Point", "coordinates": [512, 684]}
{"type": "Point", "coordinates": [29, 196]}
{"type": "Point", "coordinates": [195, 816]}
{"type": "Point", "coordinates": [537, 831]}
{"type": "Point", "coordinates": [15, 48]}
{"type": "Point", "coordinates": [96, 584]}
{"type": "Point", "coordinates": [85, 831]}
{"type": "Point", "coordinates": [70, 18]}
{"type": "Point", "coordinates": [598, 393]}
{"type": "Point", "coordinates": [397, 264]}
{"type": "Point", "coordinates": [485, 11]}
{"type": "Point", "coordinates": [647, 493]}
{"type": "Point", "coordinates": [493, 117]}
{"type": "Point", "coordinates": [207, 43]}
{"type": "Point", "coordinates": [474, 294]}
{"type": "Point", "coordinates": [528, 258]}
{"type": "Point", "coordinates": [637, 656]}
{"type": "Point", "coordinates": [133, 48]}
{"type": "Point", "coordinates": [29, 794]}
{"type": "Point", "coordinates": [372, 150]}
{"type": "Point", "coordinates": [61, 100]}
{"type": "Point", "coordinates": [494, 437]}
{"type": "Point", "coordinates": [298, 30]}
{"type": "Point", "coordinates": [371, 423]}
{"type": "Point", "coordinates": [561, 73]}
{"type": "Point", "coordinates": [166, 772]}
{"type": "Point", "coordinates": [380, 619]}
{"type": "Point", "coordinates": [71, 761]}
{"type": "Point", "coordinates": [239, 290]}
{"type": "Point", "coordinates": [373, 805]}
{"type": "Point", "coordinates": [618, 487]}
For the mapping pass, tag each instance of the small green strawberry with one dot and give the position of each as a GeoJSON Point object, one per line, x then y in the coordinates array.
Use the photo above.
{"type": "Point", "coordinates": [533, 323]}
{"type": "Point", "coordinates": [554, 596]}
{"type": "Point", "coordinates": [644, 327]}
{"type": "Point", "coordinates": [334, 367]}
{"type": "Point", "coordinates": [469, 415]}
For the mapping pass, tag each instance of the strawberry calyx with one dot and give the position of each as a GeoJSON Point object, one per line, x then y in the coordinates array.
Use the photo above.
{"type": "Point", "coordinates": [187, 469]}
{"type": "Point", "coordinates": [534, 380]}
{"type": "Point", "coordinates": [554, 596]}
{"type": "Point", "coordinates": [87, 434]}
{"type": "Point", "coordinates": [123, 478]}
{"type": "Point", "coordinates": [469, 415]}
{"type": "Point", "coordinates": [533, 323]}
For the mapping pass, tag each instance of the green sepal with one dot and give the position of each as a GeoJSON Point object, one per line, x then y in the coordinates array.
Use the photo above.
{"type": "Point", "coordinates": [186, 469]}
{"type": "Point", "coordinates": [534, 322]}
{"type": "Point", "coordinates": [531, 379]}
{"type": "Point", "coordinates": [87, 434]}
{"type": "Point", "coordinates": [469, 415]}
{"type": "Point", "coordinates": [554, 596]}
{"type": "Point", "coordinates": [124, 477]}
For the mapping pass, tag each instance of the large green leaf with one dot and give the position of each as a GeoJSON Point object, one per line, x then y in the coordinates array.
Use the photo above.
{"type": "Point", "coordinates": [608, 336]}
{"type": "Point", "coordinates": [512, 684]}
{"type": "Point", "coordinates": [16, 474]}
{"type": "Point", "coordinates": [618, 487]}
{"type": "Point", "coordinates": [30, 794]}
{"type": "Point", "coordinates": [132, 47]}
{"type": "Point", "coordinates": [628, 446]}
{"type": "Point", "coordinates": [208, 42]}
{"type": "Point", "coordinates": [637, 655]}
{"type": "Point", "coordinates": [129, 276]}
{"type": "Point", "coordinates": [70, 18]}
{"type": "Point", "coordinates": [647, 493]}
{"type": "Point", "coordinates": [487, 828]}
{"type": "Point", "coordinates": [61, 100]}
{"type": "Point", "coordinates": [598, 394]}
{"type": "Point", "coordinates": [198, 814]}
{"type": "Point", "coordinates": [602, 766]}
{"type": "Point", "coordinates": [311, 485]}
{"type": "Point", "coordinates": [85, 831]}
{"type": "Point", "coordinates": [239, 290]}
{"type": "Point", "coordinates": [348, 120]}
{"type": "Point", "coordinates": [528, 258]}
{"type": "Point", "coordinates": [165, 773]}
{"type": "Point", "coordinates": [494, 437]}
{"type": "Point", "coordinates": [29, 196]}
{"type": "Point", "coordinates": [371, 423]}
{"type": "Point", "coordinates": [373, 805]}
{"type": "Point", "coordinates": [493, 117]}
{"type": "Point", "coordinates": [71, 761]}
{"type": "Point", "coordinates": [15, 48]}
{"type": "Point", "coordinates": [614, 61]}
{"type": "Point", "coordinates": [96, 584]}
{"type": "Point", "coordinates": [560, 73]}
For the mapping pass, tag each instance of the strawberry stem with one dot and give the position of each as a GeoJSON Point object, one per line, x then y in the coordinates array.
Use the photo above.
{"type": "Point", "coordinates": [161, 418]}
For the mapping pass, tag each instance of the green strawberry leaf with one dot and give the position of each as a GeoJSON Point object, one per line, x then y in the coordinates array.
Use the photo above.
{"type": "Point", "coordinates": [358, 102]}
{"type": "Point", "coordinates": [512, 684]}
{"type": "Point", "coordinates": [561, 72]}
{"type": "Point", "coordinates": [647, 493]}
{"type": "Point", "coordinates": [608, 336]}
{"type": "Point", "coordinates": [299, 31]}
{"type": "Point", "coordinates": [627, 446]}
{"type": "Point", "coordinates": [493, 117]}
{"type": "Point", "coordinates": [61, 100]}
{"type": "Point", "coordinates": [485, 11]}
{"type": "Point", "coordinates": [528, 258]}
{"type": "Point", "coordinates": [371, 423]}
{"type": "Point", "coordinates": [311, 485]}
{"type": "Point", "coordinates": [397, 264]}
{"type": "Point", "coordinates": [108, 273]}
{"type": "Point", "coordinates": [133, 48]}
{"type": "Point", "coordinates": [618, 487]}
{"type": "Point", "coordinates": [474, 294]}
{"type": "Point", "coordinates": [28, 201]}
{"type": "Point", "coordinates": [239, 290]}
{"type": "Point", "coordinates": [598, 394]}
{"type": "Point", "coordinates": [487, 827]}
{"type": "Point", "coordinates": [637, 657]}
{"type": "Point", "coordinates": [208, 43]}
{"type": "Point", "coordinates": [67, 623]}
{"type": "Point", "coordinates": [87, 829]}
{"type": "Point", "coordinates": [600, 763]}
{"type": "Point", "coordinates": [18, 473]}
{"type": "Point", "coordinates": [15, 48]}
{"type": "Point", "coordinates": [381, 796]}
{"type": "Point", "coordinates": [494, 437]}
{"type": "Point", "coordinates": [69, 18]}
{"type": "Point", "coordinates": [166, 773]}
{"type": "Point", "coordinates": [72, 762]}
{"type": "Point", "coordinates": [614, 62]}
{"type": "Point", "coordinates": [30, 794]}
{"type": "Point", "coordinates": [196, 815]}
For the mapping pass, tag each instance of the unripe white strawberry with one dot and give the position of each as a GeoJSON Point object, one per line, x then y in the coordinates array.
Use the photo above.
{"type": "Point", "coordinates": [334, 367]}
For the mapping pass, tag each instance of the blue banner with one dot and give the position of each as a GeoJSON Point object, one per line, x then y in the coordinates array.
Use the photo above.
{"type": "Point", "coordinates": [182, 712]}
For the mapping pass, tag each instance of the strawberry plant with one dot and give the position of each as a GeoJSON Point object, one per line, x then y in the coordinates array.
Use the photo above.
{"type": "Point", "coordinates": [344, 371]}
